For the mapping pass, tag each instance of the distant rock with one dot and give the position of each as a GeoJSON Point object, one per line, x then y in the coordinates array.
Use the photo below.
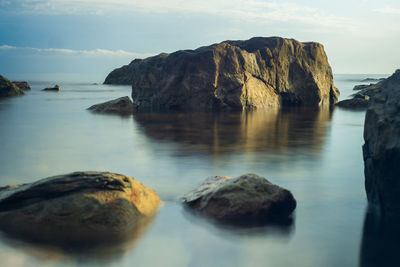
{"type": "Point", "coordinates": [122, 105]}
{"type": "Point", "coordinates": [358, 102]}
{"type": "Point", "coordinates": [22, 85]}
{"type": "Point", "coordinates": [232, 75]}
{"type": "Point", "coordinates": [246, 198]}
{"type": "Point", "coordinates": [76, 208]}
{"type": "Point", "coordinates": [382, 149]}
{"type": "Point", "coordinates": [8, 89]}
{"type": "Point", "coordinates": [372, 79]}
{"type": "Point", "coordinates": [56, 88]}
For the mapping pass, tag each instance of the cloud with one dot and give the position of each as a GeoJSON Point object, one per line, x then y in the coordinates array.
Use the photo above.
{"type": "Point", "coordinates": [243, 10]}
{"type": "Point", "coordinates": [95, 52]}
{"type": "Point", "coordinates": [388, 10]}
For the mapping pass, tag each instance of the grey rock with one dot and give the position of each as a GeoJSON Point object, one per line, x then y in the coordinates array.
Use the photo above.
{"type": "Point", "coordinates": [232, 75]}
{"type": "Point", "coordinates": [122, 105]}
{"type": "Point", "coordinates": [245, 198]}
{"type": "Point", "coordinates": [56, 88]}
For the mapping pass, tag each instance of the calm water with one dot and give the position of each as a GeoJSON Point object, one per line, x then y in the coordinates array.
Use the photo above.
{"type": "Point", "coordinates": [316, 154]}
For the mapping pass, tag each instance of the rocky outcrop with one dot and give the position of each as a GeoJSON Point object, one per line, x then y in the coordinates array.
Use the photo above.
{"type": "Point", "coordinates": [8, 89]}
{"type": "Point", "coordinates": [22, 85]}
{"type": "Point", "coordinates": [232, 75]}
{"type": "Point", "coordinates": [122, 105]}
{"type": "Point", "coordinates": [56, 88]}
{"type": "Point", "coordinates": [359, 101]}
{"type": "Point", "coordinates": [76, 208]}
{"type": "Point", "coordinates": [245, 198]}
{"type": "Point", "coordinates": [382, 148]}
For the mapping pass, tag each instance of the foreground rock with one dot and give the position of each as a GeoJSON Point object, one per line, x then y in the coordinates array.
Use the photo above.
{"type": "Point", "coordinates": [8, 89]}
{"type": "Point", "coordinates": [248, 198]}
{"type": "Point", "coordinates": [22, 85]}
{"type": "Point", "coordinates": [122, 105]}
{"type": "Point", "coordinates": [232, 75]}
{"type": "Point", "coordinates": [382, 149]}
{"type": "Point", "coordinates": [76, 208]}
{"type": "Point", "coordinates": [56, 88]}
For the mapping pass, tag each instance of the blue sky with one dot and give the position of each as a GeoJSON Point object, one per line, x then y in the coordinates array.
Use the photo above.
{"type": "Point", "coordinates": [93, 37]}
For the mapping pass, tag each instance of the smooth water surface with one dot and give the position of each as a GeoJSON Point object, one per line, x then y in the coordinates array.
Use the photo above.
{"type": "Point", "coordinates": [314, 153]}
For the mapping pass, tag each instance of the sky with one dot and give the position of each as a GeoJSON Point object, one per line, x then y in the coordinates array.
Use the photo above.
{"type": "Point", "coordinates": [39, 38]}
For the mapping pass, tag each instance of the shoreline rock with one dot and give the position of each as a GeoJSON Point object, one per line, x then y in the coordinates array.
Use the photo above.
{"type": "Point", "coordinates": [232, 75]}
{"type": "Point", "coordinates": [22, 85]}
{"type": "Point", "coordinates": [8, 89]}
{"type": "Point", "coordinates": [76, 208]}
{"type": "Point", "coordinates": [247, 199]}
{"type": "Point", "coordinates": [122, 105]}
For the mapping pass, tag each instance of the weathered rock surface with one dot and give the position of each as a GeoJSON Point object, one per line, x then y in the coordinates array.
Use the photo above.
{"type": "Point", "coordinates": [22, 85]}
{"type": "Point", "coordinates": [56, 88]}
{"type": "Point", "coordinates": [8, 89]}
{"type": "Point", "coordinates": [382, 148]}
{"type": "Point", "coordinates": [234, 75]}
{"type": "Point", "coordinates": [244, 198]}
{"type": "Point", "coordinates": [122, 105]}
{"type": "Point", "coordinates": [79, 208]}
{"type": "Point", "coordinates": [358, 102]}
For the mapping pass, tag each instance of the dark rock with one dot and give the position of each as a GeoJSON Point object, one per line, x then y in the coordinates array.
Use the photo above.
{"type": "Point", "coordinates": [245, 198]}
{"type": "Point", "coordinates": [361, 86]}
{"type": "Point", "coordinates": [382, 149]}
{"type": "Point", "coordinates": [358, 102]}
{"type": "Point", "coordinates": [372, 79]}
{"type": "Point", "coordinates": [232, 75]}
{"type": "Point", "coordinates": [56, 88]}
{"type": "Point", "coordinates": [22, 85]}
{"type": "Point", "coordinates": [76, 208]}
{"type": "Point", "coordinates": [8, 89]}
{"type": "Point", "coordinates": [122, 105]}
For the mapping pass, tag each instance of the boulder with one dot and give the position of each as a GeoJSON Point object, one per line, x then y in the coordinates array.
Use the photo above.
{"type": "Point", "coordinates": [232, 75]}
{"type": "Point", "coordinates": [382, 148]}
{"type": "Point", "coordinates": [56, 88]}
{"type": "Point", "coordinates": [248, 198]}
{"type": "Point", "coordinates": [76, 208]}
{"type": "Point", "coordinates": [8, 89]}
{"type": "Point", "coordinates": [22, 85]}
{"type": "Point", "coordinates": [122, 105]}
{"type": "Point", "coordinates": [358, 102]}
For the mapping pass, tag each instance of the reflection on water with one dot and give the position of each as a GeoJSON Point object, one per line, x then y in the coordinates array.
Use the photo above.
{"type": "Point", "coordinates": [380, 245]}
{"type": "Point", "coordinates": [274, 130]}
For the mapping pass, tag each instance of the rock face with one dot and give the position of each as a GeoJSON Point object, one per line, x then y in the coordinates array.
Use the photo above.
{"type": "Point", "coordinates": [22, 85]}
{"type": "Point", "coordinates": [78, 208]}
{"type": "Point", "coordinates": [122, 105]}
{"type": "Point", "coordinates": [8, 89]}
{"type": "Point", "coordinates": [382, 148]}
{"type": "Point", "coordinates": [56, 88]}
{"type": "Point", "coordinates": [244, 198]}
{"type": "Point", "coordinates": [233, 75]}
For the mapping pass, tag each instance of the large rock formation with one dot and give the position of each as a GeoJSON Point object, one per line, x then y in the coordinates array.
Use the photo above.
{"type": "Point", "coordinates": [76, 208]}
{"type": "Point", "coordinates": [382, 148]}
{"type": "Point", "coordinates": [122, 106]}
{"type": "Point", "coordinates": [245, 198]}
{"type": "Point", "coordinates": [257, 73]}
{"type": "Point", "coordinates": [8, 89]}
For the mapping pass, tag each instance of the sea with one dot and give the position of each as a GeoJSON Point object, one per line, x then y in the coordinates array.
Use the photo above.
{"type": "Point", "coordinates": [315, 153]}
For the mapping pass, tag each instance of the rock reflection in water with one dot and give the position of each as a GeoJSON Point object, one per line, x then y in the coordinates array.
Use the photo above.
{"type": "Point", "coordinates": [380, 245]}
{"type": "Point", "coordinates": [216, 133]}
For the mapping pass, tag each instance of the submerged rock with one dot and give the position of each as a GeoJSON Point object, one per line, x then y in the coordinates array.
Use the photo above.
{"type": "Point", "coordinates": [22, 85]}
{"type": "Point", "coordinates": [122, 105]}
{"type": "Point", "coordinates": [76, 208]}
{"type": "Point", "coordinates": [234, 75]}
{"type": "Point", "coordinates": [246, 198]}
{"type": "Point", "coordinates": [56, 88]}
{"type": "Point", "coordinates": [8, 89]}
{"type": "Point", "coordinates": [382, 148]}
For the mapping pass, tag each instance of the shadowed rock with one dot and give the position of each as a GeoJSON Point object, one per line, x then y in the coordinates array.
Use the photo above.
{"type": "Point", "coordinates": [233, 75]}
{"type": "Point", "coordinates": [358, 102]}
{"type": "Point", "coordinates": [382, 149]}
{"type": "Point", "coordinates": [22, 85]}
{"type": "Point", "coordinates": [8, 89]}
{"type": "Point", "coordinates": [56, 88]}
{"type": "Point", "coordinates": [122, 105]}
{"type": "Point", "coordinates": [247, 198]}
{"type": "Point", "coordinates": [80, 208]}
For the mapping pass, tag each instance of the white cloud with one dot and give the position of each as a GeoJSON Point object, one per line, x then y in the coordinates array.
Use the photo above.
{"type": "Point", "coordinates": [95, 52]}
{"type": "Point", "coordinates": [388, 10]}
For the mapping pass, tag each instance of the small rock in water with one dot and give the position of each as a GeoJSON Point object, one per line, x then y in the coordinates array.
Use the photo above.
{"type": "Point", "coordinates": [22, 85]}
{"type": "Point", "coordinates": [56, 88]}
{"type": "Point", "coordinates": [122, 105]}
{"type": "Point", "coordinates": [247, 198]}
